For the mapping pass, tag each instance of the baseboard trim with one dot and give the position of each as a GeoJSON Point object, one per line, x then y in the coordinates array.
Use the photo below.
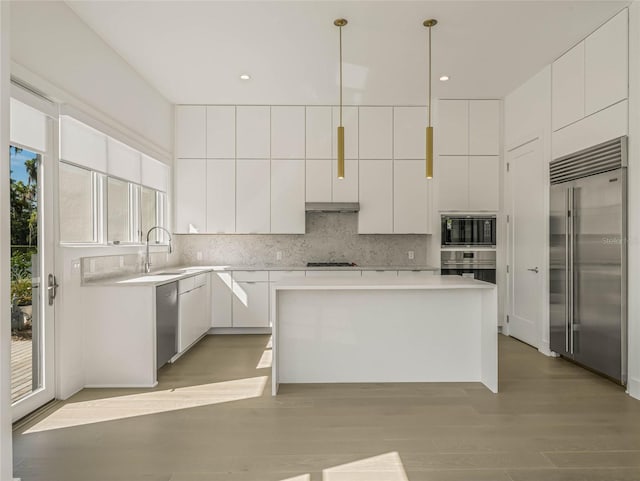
{"type": "Point", "coordinates": [119, 386]}
{"type": "Point", "coordinates": [546, 349]}
{"type": "Point", "coordinates": [240, 330]}
{"type": "Point", "coordinates": [633, 388]}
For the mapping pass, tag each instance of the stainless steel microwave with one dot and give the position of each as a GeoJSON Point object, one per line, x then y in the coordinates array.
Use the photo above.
{"type": "Point", "coordinates": [468, 230]}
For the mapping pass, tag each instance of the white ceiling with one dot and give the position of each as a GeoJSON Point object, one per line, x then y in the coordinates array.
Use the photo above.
{"type": "Point", "coordinates": [194, 52]}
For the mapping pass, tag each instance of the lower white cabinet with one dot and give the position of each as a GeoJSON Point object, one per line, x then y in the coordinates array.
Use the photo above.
{"type": "Point", "coordinates": [380, 274]}
{"type": "Point", "coordinates": [334, 273]}
{"type": "Point", "coordinates": [194, 310]}
{"type": "Point", "coordinates": [221, 299]}
{"type": "Point", "coordinates": [417, 274]}
{"type": "Point", "coordinates": [376, 197]}
{"type": "Point", "coordinates": [250, 303]}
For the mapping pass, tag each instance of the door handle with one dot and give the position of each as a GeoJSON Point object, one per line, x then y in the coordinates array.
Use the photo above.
{"type": "Point", "coordinates": [52, 288]}
{"type": "Point", "coordinates": [535, 269]}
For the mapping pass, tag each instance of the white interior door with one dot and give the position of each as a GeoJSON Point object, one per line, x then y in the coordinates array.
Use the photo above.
{"type": "Point", "coordinates": [526, 242]}
{"type": "Point", "coordinates": [32, 260]}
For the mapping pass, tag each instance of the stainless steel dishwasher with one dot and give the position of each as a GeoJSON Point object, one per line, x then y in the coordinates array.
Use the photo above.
{"type": "Point", "coordinates": [166, 323]}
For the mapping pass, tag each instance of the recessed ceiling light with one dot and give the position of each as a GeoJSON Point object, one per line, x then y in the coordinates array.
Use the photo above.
{"type": "Point", "coordinates": [444, 78]}
{"type": "Point", "coordinates": [245, 76]}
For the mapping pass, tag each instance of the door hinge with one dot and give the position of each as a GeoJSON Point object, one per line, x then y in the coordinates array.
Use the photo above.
{"type": "Point", "coordinates": [507, 318]}
{"type": "Point", "coordinates": [507, 166]}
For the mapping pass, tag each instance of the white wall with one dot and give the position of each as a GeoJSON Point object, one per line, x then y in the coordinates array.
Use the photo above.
{"type": "Point", "coordinates": [74, 65]}
{"type": "Point", "coordinates": [527, 116]}
{"type": "Point", "coordinates": [6, 462]}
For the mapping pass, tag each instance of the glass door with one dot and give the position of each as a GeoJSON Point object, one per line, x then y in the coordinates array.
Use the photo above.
{"type": "Point", "coordinates": [32, 247]}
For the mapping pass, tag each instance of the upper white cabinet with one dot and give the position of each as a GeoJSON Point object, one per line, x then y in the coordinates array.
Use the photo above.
{"type": "Point", "coordinates": [567, 88]}
{"type": "Point", "coordinates": [221, 196]}
{"type": "Point", "coordinates": [484, 172]}
{"type": "Point", "coordinates": [221, 132]}
{"type": "Point", "coordinates": [410, 197]}
{"type": "Point", "coordinates": [452, 128]}
{"type": "Point", "coordinates": [191, 132]}
{"type": "Point", "coordinates": [345, 190]}
{"type": "Point", "coordinates": [375, 132]}
{"type": "Point", "coordinates": [253, 179]}
{"type": "Point", "coordinates": [123, 161]}
{"type": "Point", "coordinates": [484, 127]}
{"type": "Point", "coordinates": [318, 180]}
{"type": "Point", "coordinates": [287, 196]}
{"type": "Point", "coordinates": [451, 175]}
{"type": "Point", "coordinates": [83, 145]}
{"type": "Point", "coordinates": [287, 132]}
{"type": "Point", "coordinates": [376, 197]}
{"type": "Point", "coordinates": [318, 132]}
{"type": "Point", "coordinates": [253, 132]}
{"type": "Point", "coordinates": [191, 194]}
{"type": "Point", "coordinates": [606, 64]}
{"type": "Point", "coordinates": [350, 122]}
{"type": "Point", "coordinates": [409, 132]}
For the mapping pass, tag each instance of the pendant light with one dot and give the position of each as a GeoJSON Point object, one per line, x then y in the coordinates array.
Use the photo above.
{"type": "Point", "coordinates": [340, 22]}
{"type": "Point", "coordinates": [429, 134]}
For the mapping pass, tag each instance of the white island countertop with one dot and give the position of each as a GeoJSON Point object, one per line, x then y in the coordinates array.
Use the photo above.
{"type": "Point", "coordinates": [374, 283]}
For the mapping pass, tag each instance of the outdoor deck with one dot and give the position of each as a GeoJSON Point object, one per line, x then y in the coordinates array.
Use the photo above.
{"type": "Point", "coordinates": [20, 369]}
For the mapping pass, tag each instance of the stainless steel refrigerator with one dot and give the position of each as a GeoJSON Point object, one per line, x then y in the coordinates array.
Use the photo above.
{"type": "Point", "coordinates": [588, 258]}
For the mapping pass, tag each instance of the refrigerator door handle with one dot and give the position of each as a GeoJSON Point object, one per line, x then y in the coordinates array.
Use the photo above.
{"type": "Point", "coordinates": [567, 270]}
{"type": "Point", "coordinates": [570, 273]}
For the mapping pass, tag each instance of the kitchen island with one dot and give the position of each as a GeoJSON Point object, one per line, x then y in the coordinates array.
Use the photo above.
{"type": "Point", "coordinates": [338, 330]}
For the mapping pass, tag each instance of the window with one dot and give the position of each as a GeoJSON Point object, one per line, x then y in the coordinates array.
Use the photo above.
{"type": "Point", "coordinates": [119, 211]}
{"type": "Point", "coordinates": [78, 223]}
{"type": "Point", "coordinates": [153, 213]}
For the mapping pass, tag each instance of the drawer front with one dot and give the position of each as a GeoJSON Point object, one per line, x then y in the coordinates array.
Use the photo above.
{"type": "Point", "coordinates": [251, 276]}
{"type": "Point", "coordinates": [185, 285]}
{"type": "Point", "coordinates": [200, 280]}
{"type": "Point", "coordinates": [334, 273]}
{"type": "Point", "coordinates": [275, 276]}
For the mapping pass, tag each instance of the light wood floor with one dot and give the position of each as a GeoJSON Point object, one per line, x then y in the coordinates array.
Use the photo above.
{"type": "Point", "coordinates": [21, 369]}
{"type": "Point", "coordinates": [210, 419]}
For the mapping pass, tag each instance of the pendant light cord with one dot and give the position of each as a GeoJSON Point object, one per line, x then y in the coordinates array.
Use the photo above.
{"type": "Point", "coordinates": [429, 75]}
{"type": "Point", "coordinates": [340, 76]}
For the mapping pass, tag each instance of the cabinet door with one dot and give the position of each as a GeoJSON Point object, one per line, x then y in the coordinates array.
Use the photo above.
{"type": "Point", "coordinates": [452, 127]}
{"type": "Point", "coordinates": [318, 180]}
{"type": "Point", "coordinates": [451, 175]}
{"type": "Point", "coordinates": [253, 196]}
{"type": "Point", "coordinates": [194, 307]}
{"type": "Point", "coordinates": [250, 304]}
{"type": "Point", "coordinates": [376, 197]}
{"type": "Point", "coordinates": [287, 132]}
{"type": "Point", "coordinates": [409, 132]}
{"type": "Point", "coordinates": [287, 197]}
{"type": "Point", "coordinates": [221, 196]}
{"type": "Point", "coordinates": [484, 127]}
{"type": "Point", "coordinates": [606, 64]}
{"type": "Point", "coordinates": [191, 196]}
{"type": "Point", "coordinates": [253, 136]}
{"type": "Point", "coordinates": [410, 197]}
{"type": "Point", "coordinates": [380, 274]}
{"type": "Point", "coordinates": [375, 132]}
{"type": "Point", "coordinates": [483, 182]}
{"type": "Point", "coordinates": [221, 299]}
{"type": "Point", "coordinates": [318, 132]}
{"type": "Point", "coordinates": [345, 190]}
{"type": "Point", "coordinates": [345, 273]}
{"type": "Point", "coordinates": [203, 310]}
{"type": "Point", "coordinates": [191, 132]}
{"type": "Point", "coordinates": [221, 132]}
{"type": "Point", "coordinates": [567, 88]}
{"type": "Point", "coordinates": [350, 122]}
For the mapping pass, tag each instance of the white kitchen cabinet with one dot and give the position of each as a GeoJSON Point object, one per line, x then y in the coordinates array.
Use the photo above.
{"type": "Point", "coordinates": [568, 87]}
{"type": "Point", "coordinates": [318, 180]}
{"type": "Point", "coordinates": [350, 121]}
{"type": "Point", "coordinates": [194, 308]}
{"type": "Point", "coordinates": [451, 175]}
{"type": "Point", "coordinates": [606, 64]}
{"type": "Point", "coordinates": [276, 276]}
{"type": "Point", "coordinates": [345, 273]}
{"type": "Point", "coordinates": [221, 196]}
{"type": "Point", "coordinates": [376, 197]}
{"type": "Point", "coordinates": [483, 182]}
{"type": "Point", "coordinates": [253, 132]}
{"type": "Point", "coordinates": [250, 303]}
{"type": "Point", "coordinates": [221, 132]}
{"type": "Point", "coordinates": [451, 127]}
{"type": "Point", "coordinates": [82, 145]}
{"type": "Point", "coordinates": [318, 133]}
{"type": "Point", "coordinates": [380, 274]}
{"type": "Point", "coordinates": [191, 131]}
{"type": "Point", "coordinates": [191, 196]}
{"type": "Point", "coordinates": [409, 132]}
{"type": "Point", "coordinates": [375, 132]}
{"type": "Point", "coordinates": [253, 179]}
{"type": "Point", "coordinates": [122, 161]}
{"type": "Point", "coordinates": [410, 197]}
{"type": "Point", "coordinates": [287, 132]}
{"type": "Point", "coordinates": [221, 299]}
{"type": "Point", "coordinates": [416, 274]}
{"type": "Point", "coordinates": [287, 196]}
{"type": "Point", "coordinates": [484, 127]}
{"type": "Point", "coordinates": [345, 190]}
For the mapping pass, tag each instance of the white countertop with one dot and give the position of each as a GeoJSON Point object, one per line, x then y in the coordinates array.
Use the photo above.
{"type": "Point", "coordinates": [392, 283]}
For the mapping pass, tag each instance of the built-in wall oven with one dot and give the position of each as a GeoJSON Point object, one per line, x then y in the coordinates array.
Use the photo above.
{"type": "Point", "coordinates": [480, 264]}
{"type": "Point", "coordinates": [460, 230]}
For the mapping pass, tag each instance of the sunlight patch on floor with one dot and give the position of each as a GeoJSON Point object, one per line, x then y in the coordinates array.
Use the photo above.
{"type": "Point", "coordinates": [266, 359]}
{"type": "Point", "coordinates": [385, 467]}
{"type": "Point", "coordinates": [302, 477]}
{"type": "Point", "coordinates": [154, 402]}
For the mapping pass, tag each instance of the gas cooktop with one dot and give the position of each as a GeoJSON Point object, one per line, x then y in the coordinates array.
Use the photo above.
{"type": "Point", "coordinates": [331, 264]}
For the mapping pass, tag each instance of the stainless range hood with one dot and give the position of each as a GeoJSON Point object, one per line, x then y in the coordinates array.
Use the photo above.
{"type": "Point", "coordinates": [332, 206]}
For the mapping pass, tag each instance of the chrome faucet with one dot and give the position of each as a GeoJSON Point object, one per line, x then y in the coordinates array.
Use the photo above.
{"type": "Point", "coordinates": [147, 264]}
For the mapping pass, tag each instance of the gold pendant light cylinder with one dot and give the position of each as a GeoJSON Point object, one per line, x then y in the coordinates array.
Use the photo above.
{"type": "Point", "coordinates": [341, 152]}
{"type": "Point", "coordinates": [429, 133]}
{"type": "Point", "coordinates": [429, 151]}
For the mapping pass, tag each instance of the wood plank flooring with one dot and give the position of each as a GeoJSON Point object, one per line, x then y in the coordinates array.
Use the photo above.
{"type": "Point", "coordinates": [212, 418]}
{"type": "Point", "coordinates": [21, 369]}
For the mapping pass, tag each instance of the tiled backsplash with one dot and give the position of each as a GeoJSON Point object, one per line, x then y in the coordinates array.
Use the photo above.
{"type": "Point", "coordinates": [329, 237]}
{"type": "Point", "coordinates": [105, 267]}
